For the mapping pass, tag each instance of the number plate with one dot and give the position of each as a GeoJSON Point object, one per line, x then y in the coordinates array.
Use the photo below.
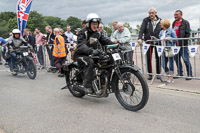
{"type": "Point", "coordinates": [116, 56]}
{"type": "Point", "coordinates": [25, 53]}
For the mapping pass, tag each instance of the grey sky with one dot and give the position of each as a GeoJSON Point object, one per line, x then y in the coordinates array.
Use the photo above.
{"type": "Point", "coordinates": [132, 11]}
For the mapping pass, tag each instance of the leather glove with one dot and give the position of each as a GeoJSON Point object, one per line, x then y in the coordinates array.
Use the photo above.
{"type": "Point", "coordinates": [95, 52]}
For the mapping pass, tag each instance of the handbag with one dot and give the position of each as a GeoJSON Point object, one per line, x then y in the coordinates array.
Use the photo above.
{"type": "Point", "coordinates": [168, 52]}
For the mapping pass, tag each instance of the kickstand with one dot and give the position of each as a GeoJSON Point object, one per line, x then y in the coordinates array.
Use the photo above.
{"type": "Point", "coordinates": [65, 87]}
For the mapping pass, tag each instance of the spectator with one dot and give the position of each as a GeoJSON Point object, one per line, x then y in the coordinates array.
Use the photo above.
{"type": "Point", "coordinates": [84, 23]}
{"type": "Point", "coordinates": [64, 36]}
{"type": "Point", "coordinates": [114, 28]}
{"type": "Point", "coordinates": [10, 34]}
{"type": "Point", "coordinates": [122, 36]}
{"type": "Point", "coordinates": [197, 35]}
{"type": "Point", "coordinates": [182, 28]}
{"type": "Point", "coordinates": [32, 39]}
{"type": "Point", "coordinates": [49, 45]}
{"type": "Point", "coordinates": [69, 34]}
{"type": "Point", "coordinates": [77, 31]}
{"type": "Point", "coordinates": [102, 31]}
{"type": "Point", "coordinates": [59, 51]}
{"type": "Point", "coordinates": [165, 35]}
{"type": "Point", "coordinates": [65, 39]}
{"type": "Point", "coordinates": [40, 46]}
{"type": "Point", "coordinates": [75, 39]}
{"type": "Point", "coordinates": [2, 50]}
{"type": "Point", "coordinates": [151, 28]}
{"type": "Point", "coordinates": [29, 38]}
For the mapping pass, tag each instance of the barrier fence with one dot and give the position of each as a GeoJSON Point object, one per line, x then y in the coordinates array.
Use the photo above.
{"type": "Point", "coordinates": [149, 64]}
{"type": "Point", "coordinates": [153, 49]}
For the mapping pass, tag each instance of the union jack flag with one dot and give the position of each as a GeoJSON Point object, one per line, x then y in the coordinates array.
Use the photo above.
{"type": "Point", "coordinates": [23, 9]}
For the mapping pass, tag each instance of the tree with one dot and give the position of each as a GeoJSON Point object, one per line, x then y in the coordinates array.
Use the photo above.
{"type": "Point", "coordinates": [8, 23]}
{"type": "Point", "coordinates": [110, 25]}
{"type": "Point", "coordinates": [7, 15]}
{"type": "Point", "coordinates": [108, 30]}
{"type": "Point", "coordinates": [55, 22]}
{"type": "Point", "coordinates": [127, 25]}
{"type": "Point", "coordinates": [36, 20]}
{"type": "Point", "coordinates": [137, 29]}
{"type": "Point", "coordinates": [74, 22]}
{"type": "Point", "coordinates": [12, 23]}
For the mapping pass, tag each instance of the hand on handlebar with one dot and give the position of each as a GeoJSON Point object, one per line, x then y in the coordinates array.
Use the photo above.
{"type": "Point", "coordinates": [95, 52]}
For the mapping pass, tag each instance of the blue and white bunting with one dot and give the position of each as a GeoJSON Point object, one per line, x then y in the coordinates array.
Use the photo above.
{"type": "Point", "coordinates": [160, 50]}
{"type": "Point", "coordinates": [133, 44]}
{"type": "Point", "coordinates": [175, 49]}
{"type": "Point", "coordinates": [145, 48]}
{"type": "Point", "coordinates": [193, 50]}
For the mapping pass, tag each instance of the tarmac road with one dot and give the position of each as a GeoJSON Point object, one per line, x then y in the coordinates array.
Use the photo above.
{"type": "Point", "coordinates": [39, 106]}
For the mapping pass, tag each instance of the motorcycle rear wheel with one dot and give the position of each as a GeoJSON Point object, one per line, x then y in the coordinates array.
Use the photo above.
{"type": "Point", "coordinates": [71, 81]}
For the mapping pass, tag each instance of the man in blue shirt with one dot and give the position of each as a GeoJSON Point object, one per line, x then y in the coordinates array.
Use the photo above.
{"type": "Point", "coordinates": [69, 34]}
{"type": "Point", "coordinates": [2, 50]}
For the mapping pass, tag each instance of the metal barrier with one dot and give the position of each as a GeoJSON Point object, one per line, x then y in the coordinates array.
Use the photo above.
{"type": "Point", "coordinates": [193, 49]}
{"type": "Point", "coordinates": [140, 58]}
{"type": "Point", "coordinates": [45, 57]}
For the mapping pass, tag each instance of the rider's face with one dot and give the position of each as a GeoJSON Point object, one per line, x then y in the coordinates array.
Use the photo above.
{"type": "Point", "coordinates": [94, 26]}
{"type": "Point", "coordinates": [16, 35]}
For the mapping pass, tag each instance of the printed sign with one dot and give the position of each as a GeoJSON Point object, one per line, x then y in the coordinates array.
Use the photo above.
{"type": "Point", "coordinates": [145, 48]}
{"type": "Point", "coordinates": [116, 56]}
{"type": "Point", "coordinates": [133, 45]}
{"type": "Point", "coordinates": [160, 50]}
{"type": "Point", "coordinates": [175, 49]}
{"type": "Point", "coordinates": [193, 50]}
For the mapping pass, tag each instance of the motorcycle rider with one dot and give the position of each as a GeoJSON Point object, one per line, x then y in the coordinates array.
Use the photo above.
{"type": "Point", "coordinates": [14, 42]}
{"type": "Point", "coordinates": [88, 47]}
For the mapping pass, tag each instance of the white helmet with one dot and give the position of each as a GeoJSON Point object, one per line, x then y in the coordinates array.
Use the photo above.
{"type": "Point", "coordinates": [16, 31]}
{"type": "Point", "coordinates": [92, 17]}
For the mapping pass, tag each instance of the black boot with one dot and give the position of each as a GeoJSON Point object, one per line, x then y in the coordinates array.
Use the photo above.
{"type": "Point", "coordinates": [149, 77]}
{"type": "Point", "coordinates": [83, 89]}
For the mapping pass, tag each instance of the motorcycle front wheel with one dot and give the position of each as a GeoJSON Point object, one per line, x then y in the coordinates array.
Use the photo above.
{"type": "Point", "coordinates": [31, 69]}
{"type": "Point", "coordinates": [131, 89]}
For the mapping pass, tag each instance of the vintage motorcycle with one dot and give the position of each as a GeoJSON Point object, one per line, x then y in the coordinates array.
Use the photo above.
{"type": "Point", "coordinates": [24, 62]}
{"type": "Point", "coordinates": [113, 75]}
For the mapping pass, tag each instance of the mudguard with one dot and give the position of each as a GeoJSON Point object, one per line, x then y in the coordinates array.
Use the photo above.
{"type": "Point", "coordinates": [66, 67]}
{"type": "Point", "coordinates": [134, 68]}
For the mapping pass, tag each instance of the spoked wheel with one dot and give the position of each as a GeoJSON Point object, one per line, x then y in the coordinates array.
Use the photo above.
{"type": "Point", "coordinates": [73, 79]}
{"type": "Point", "coordinates": [132, 90]}
{"type": "Point", "coordinates": [31, 69]}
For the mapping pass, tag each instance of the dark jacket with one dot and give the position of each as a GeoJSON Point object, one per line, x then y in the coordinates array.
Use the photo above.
{"type": "Point", "coordinates": [65, 38]}
{"type": "Point", "coordinates": [50, 38]}
{"type": "Point", "coordinates": [30, 39]}
{"type": "Point", "coordinates": [184, 31]}
{"type": "Point", "coordinates": [147, 29]}
{"type": "Point", "coordinates": [84, 47]}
